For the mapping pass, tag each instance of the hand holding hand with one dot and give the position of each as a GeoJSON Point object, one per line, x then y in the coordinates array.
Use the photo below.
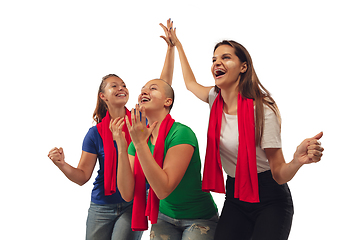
{"type": "Point", "coordinates": [310, 150]}
{"type": "Point", "coordinates": [169, 40]}
{"type": "Point", "coordinates": [57, 156]}
{"type": "Point", "coordinates": [138, 130]}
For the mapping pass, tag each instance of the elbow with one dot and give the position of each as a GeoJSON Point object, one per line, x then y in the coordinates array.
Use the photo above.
{"type": "Point", "coordinates": [126, 194]}
{"type": "Point", "coordinates": [280, 182]}
{"type": "Point", "coordinates": [278, 179]}
{"type": "Point", "coordinates": [81, 183]}
{"type": "Point", "coordinates": [127, 198]}
{"type": "Point", "coordinates": [162, 195]}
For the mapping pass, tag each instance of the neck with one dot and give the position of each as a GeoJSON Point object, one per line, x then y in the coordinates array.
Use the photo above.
{"type": "Point", "coordinates": [156, 117]}
{"type": "Point", "coordinates": [116, 112]}
{"type": "Point", "coordinates": [230, 100]}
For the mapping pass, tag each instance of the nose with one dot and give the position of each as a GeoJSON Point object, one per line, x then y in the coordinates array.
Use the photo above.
{"type": "Point", "coordinates": [144, 90]}
{"type": "Point", "coordinates": [217, 62]}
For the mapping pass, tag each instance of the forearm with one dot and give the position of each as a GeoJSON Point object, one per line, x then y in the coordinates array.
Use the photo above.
{"type": "Point", "coordinates": [75, 175]}
{"type": "Point", "coordinates": [125, 177]}
{"type": "Point", "coordinates": [168, 68]}
{"type": "Point", "coordinates": [286, 171]}
{"type": "Point", "coordinates": [155, 175]}
{"type": "Point", "coordinates": [187, 72]}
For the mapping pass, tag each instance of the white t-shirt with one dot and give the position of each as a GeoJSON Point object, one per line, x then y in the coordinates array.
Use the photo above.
{"type": "Point", "coordinates": [229, 139]}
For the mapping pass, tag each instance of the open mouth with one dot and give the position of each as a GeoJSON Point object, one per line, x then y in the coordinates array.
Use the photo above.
{"type": "Point", "coordinates": [144, 99]}
{"type": "Point", "coordinates": [219, 72]}
{"type": "Point", "coordinates": [120, 95]}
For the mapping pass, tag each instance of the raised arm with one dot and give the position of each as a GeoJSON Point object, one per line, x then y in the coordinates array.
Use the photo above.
{"type": "Point", "coordinates": [197, 89]}
{"type": "Point", "coordinates": [168, 69]}
{"type": "Point", "coordinates": [79, 175]}
{"type": "Point", "coordinates": [162, 180]}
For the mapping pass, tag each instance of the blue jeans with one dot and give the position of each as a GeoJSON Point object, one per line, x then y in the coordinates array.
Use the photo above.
{"type": "Point", "coordinates": [180, 229]}
{"type": "Point", "coordinates": [110, 222]}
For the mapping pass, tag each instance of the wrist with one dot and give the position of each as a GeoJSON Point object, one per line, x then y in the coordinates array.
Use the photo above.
{"type": "Point", "coordinates": [140, 145]}
{"type": "Point", "coordinates": [296, 161]}
{"type": "Point", "coordinates": [60, 164]}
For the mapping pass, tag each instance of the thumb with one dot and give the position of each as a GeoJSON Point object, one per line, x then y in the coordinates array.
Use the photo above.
{"type": "Point", "coordinates": [166, 40]}
{"type": "Point", "coordinates": [151, 128]}
{"type": "Point", "coordinates": [61, 150]}
{"type": "Point", "coordinates": [319, 135]}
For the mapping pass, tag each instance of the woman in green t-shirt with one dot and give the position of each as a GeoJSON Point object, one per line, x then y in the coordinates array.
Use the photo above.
{"type": "Point", "coordinates": [168, 154]}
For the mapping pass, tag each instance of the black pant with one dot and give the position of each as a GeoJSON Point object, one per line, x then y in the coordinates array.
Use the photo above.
{"type": "Point", "coordinates": [267, 220]}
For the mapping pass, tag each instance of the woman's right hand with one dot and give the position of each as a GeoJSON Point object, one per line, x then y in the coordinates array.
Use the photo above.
{"type": "Point", "coordinates": [116, 126]}
{"type": "Point", "coordinates": [170, 33]}
{"type": "Point", "coordinates": [57, 156]}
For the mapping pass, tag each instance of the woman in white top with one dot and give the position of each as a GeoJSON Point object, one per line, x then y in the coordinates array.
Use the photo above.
{"type": "Point", "coordinates": [268, 215]}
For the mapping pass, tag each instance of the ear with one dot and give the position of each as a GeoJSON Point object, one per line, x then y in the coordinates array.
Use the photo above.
{"type": "Point", "coordinates": [102, 96]}
{"type": "Point", "coordinates": [168, 102]}
{"type": "Point", "coordinates": [243, 67]}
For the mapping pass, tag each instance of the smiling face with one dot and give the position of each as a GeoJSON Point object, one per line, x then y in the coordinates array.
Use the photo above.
{"type": "Point", "coordinates": [227, 67]}
{"type": "Point", "coordinates": [115, 92]}
{"type": "Point", "coordinates": [156, 94]}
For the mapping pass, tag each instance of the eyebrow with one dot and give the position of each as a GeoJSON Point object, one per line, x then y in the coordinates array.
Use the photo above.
{"type": "Point", "coordinates": [223, 55]}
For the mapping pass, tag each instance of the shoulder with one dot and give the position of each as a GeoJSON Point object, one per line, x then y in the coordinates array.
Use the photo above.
{"type": "Point", "coordinates": [92, 132]}
{"type": "Point", "coordinates": [179, 128]}
{"type": "Point", "coordinates": [181, 134]}
{"type": "Point", "coordinates": [91, 140]}
{"type": "Point", "coordinates": [270, 115]}
{"type": "Point", "coordinates": [272, 129]}
{"type": "Point", "coordinates": [212, 95]}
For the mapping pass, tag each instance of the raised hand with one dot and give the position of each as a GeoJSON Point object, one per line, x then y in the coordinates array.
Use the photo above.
{"type": "Point", "coordinates": [167, 29]}
{"type": "Point", "coordinates": [139, 132]}
{"type": "Point", "coordinates": [310, 150]}
{"type": "Point", "coordinates": [57, 156]}
{"type": "Point", "coordinates": [116, 126]}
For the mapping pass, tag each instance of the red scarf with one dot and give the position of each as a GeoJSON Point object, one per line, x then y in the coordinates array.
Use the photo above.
{"type": "Point", "coordinates": [246, 180]}
{"type": "Point", "coordinates": [140, 212]}
{"type": "Point", "coordinates": [110, 152]}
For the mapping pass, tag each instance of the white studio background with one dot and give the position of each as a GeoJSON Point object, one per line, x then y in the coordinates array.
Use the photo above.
{"type": "Point", "coordinates": [53, 55]}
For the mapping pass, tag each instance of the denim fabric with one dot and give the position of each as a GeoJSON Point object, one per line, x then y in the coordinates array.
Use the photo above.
{"type": "Point", "coordinates": [110, 222]}
{"type": "Point", "coordinates": [180, 229]}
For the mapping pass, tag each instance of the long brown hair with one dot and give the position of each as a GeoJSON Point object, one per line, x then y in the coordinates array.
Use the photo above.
{"type": "Point", "coordinates": [101, 107]}
{"type": "Point", "coordinates": [250, 87]}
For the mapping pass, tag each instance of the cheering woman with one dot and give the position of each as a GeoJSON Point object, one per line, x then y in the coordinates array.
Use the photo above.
{"type": "Point", "coordinates": [109, 215]}
{"type": "Point", "coordinates": [244, 140]}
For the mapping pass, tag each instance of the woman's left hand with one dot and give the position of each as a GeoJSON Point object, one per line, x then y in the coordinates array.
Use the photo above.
{"type": "Point", "coordinates": [139, 132]}
{"type": "Point", "coordinates": [310, 150]}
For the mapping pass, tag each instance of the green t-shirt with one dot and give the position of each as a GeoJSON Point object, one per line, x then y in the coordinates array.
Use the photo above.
{"type": "Point", "coordinates": [187, 201]}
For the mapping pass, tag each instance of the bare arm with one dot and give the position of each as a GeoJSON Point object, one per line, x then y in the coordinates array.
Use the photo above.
{"type": "Point", "coordinates": [125, 172]}
{"type": "Point", "coordinates": [79, 175]}
{"type": "Point", "coordinates": [164, 180]}
{"type": "Point", "coordinates": [309, 151]}
{"type": "Point", "coordinates": [191, 84]}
